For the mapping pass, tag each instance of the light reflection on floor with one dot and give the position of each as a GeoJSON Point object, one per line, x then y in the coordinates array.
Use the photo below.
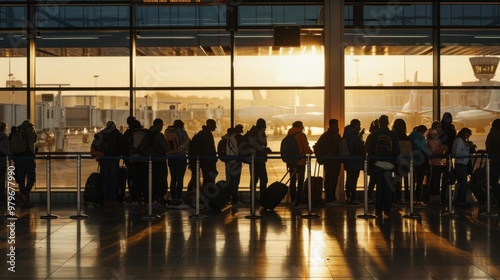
{"type": "Point", "coordinates": [118, 244]}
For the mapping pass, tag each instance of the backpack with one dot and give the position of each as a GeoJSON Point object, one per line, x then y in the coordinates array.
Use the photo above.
{"type": "Point", "coordinates": [344, 148]}
{"type": "Point", "coordinates": [245, 147]}
{"type": "Point", "coordinates": [227, 149]}
{"type": "Point", "coordinates": [101, 143]}
{"type": "Point", "coordinates": [321, 149]}
{"type": "Point", "coordinates": [172, 140]}
{"type": "Point", "coordinates": [19, 142]}
{"type": "Point", "coordinates": [289, 149]}
{"type": "Point", "coordinates": [194, 145]}
{"type": "Point", "coordinates": [140, 143]}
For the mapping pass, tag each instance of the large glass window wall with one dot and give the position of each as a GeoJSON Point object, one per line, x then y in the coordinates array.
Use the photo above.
{"type": "Point", "coordinates": [99, 61]}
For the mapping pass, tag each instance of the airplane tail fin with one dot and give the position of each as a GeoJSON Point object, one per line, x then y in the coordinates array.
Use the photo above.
{"type": "Point", "coordinates": [411, 105]}
{"type": "Point", "coordinates": [494, 104]}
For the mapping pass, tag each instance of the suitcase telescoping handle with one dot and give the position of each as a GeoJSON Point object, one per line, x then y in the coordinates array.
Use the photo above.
{"type": "Point", "coordinates": [291, 175]}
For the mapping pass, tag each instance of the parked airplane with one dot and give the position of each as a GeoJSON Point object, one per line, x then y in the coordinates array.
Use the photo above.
{"type": "Point", "coordinates": [480, 118]}
{"type": "Point", "coordinates": [312, 116]}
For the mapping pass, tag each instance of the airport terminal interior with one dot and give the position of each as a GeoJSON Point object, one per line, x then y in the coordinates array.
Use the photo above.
{"type": "Point", "coordinates": [71, 66]}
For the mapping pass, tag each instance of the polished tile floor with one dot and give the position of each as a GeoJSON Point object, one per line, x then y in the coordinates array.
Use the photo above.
{"type": "Point", "coordinates": [121, 243]}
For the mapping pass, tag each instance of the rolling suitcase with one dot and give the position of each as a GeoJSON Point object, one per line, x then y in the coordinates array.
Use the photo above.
{"type": "Point", "coordinates": [274, 194]}
{"type": "Point", "coordinates": [93, 190]}
{"type": "Point", "coordinates": [316, 188]}
{"type": "Point", "coordinates": [217, 194]}
{"type": "Point", "coordinates": [477, 182]}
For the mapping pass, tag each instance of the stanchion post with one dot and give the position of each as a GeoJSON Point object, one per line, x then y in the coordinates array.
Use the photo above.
{"type": "Point", "coordinates": [78, 189]}
{"type": "Point", "coordinates": [412, 214]}
{"type": "Point", "coordinates": [309, 215]}
{"type": "Point", "coordinates": [450, 212]}
{"type": "Point", "coordinates": [48, 184]}
{"type": "Point", "coordinates": [197, 192]}
{"type": "Point", "coordinates": [365, 191]}
{"type": "Point", "coordinates": [150, 216]}
{"type": "Point", "coordinates": [488, 212]}
{"type": "Point", "coordinates": [252, 191]}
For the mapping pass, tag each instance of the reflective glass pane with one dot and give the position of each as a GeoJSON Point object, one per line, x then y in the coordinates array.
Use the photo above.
{"type": "Point", "coordinates": [75, 58]}
{"type": "Point", "coordinates": [257, 62]}
{"type": "Point", "coordinates": [470, 14]}
{"type": "Point", "coordinates": [192, 59]}
{"type": "Point", "coordinates": [175, 15]}
{"type": "Point", "coordinates": [475, 109]}
{"type": "Point", "coordinates": [387, 57]}
{"type": "Point", "coordinates": [81, 16]}
{"type": "Point", "coordinates": [12, 17]}
{"type": "Point", "coordinates": [192, 107]}
{"type": "Point", "coordinates": [412, 105]}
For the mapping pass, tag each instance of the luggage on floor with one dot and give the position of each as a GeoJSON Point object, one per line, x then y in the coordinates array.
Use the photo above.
{"type": "Point", "coordinates": [217, 194]}
{"type": "Point", "coordinates": [316, 188]}
{"type": "Point", "coordinates": [477, 181]}
{"type": "Point", "coordinates": [274, 193]}
{"type": "Point", "coordinates": [93, 190]}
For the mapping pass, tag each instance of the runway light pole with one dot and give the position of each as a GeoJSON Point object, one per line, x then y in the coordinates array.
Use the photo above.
{"type": "Point", "coordinates": [95, 86]}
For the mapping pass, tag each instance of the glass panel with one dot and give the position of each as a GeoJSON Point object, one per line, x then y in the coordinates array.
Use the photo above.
{"type": "Point", "coordinates": [474, 108]}
{"type": "Point", "coordinates": [174, 15]}
{"type": "Point", "coordinates": [280, 108]}
{"type": "Point", "coordinates": [67, 120]}
{"type": "Point", "coordinates": [470, 14]}
{"type": "Point", "coordinates": [411, 105]}
{"type": "Point", "coordinates": [73, 59]}
{"type": "Point", "coordinates": [387, 57]}
{"type": "Point", "coordinates": [258, 63]}
{"type": "Point", "coordinates": [192, 59]}
{"type": "Point", "coordinates": [459, 47]}
{"type": "Point", "coordinates": [81, 16]}
{"type": "Point", "coordinates": [13, 69]}
{"type": "Point", "coordinates": [12, 17]}
{"type": "Point", "coordinates": [193, 107]}
{"type": "Point", "coordinates": [397, 15]}
{"type": "Point", "coordinates": [272, 15]}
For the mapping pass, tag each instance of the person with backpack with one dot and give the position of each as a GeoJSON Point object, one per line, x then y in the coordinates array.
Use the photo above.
{"type": "Point", "coordinates": [159, 151]}
{"type": "Point", "coordinates": [326, 150]}
{"type": "Point", "coordinates": [461, 152]}
{"type": "Point", "coordinates": [23, 142]}
{"type": "Point", "coordinates": [125, 151]}
{"type": "Point", "coordinates": [298, 168]}
{"type": "Point", "coordinates": [106, 149]}
{"type": "Point", "coordinates": [138, 162]}
{"type": "Point", "coordinates": [403, 164]}
{"type": "Point", "coordinates": [4, 156]}
{"type": "Point", "coordinates": [437, 164]}
{"type": "Point", "coordinates": [382, 157]}
{"type": "Point", "coordinates": [228, 153]}
{"type": "Point", "coordinates": [178, 141]}
{"type": "Point", "coordinates": [254, 142]}
{"type": "Point", "coordinates": [354, 135]}
{"type": "Point", "coordinates": [420, 164]}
